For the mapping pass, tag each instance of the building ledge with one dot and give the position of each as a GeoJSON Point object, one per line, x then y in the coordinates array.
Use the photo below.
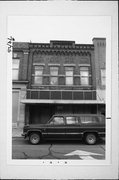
{"type": "Point", "coordinates": [19, 82]}
{"type": "Point", "coordinates": [38, 101]}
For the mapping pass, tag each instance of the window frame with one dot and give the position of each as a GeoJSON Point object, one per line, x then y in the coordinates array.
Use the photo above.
{"type": "Point", "coordinates": [41, 67]}
{"type": "Point", "coordinates": [69, 76]}
{"type": "Point", "coordinates": [82, 77]}
{"type": "Point", "coordinates": [54, 76]}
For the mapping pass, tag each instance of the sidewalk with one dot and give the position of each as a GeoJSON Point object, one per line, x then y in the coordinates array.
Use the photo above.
{"type": "Point", "coordinates": [16, 132]}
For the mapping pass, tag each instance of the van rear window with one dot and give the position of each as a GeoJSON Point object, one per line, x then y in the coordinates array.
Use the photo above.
{"type": "Point", "coordinates": [92, 120]}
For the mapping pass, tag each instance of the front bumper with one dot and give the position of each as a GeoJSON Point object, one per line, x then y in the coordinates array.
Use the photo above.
{"type": "Point", "coordinates": [24, 135]}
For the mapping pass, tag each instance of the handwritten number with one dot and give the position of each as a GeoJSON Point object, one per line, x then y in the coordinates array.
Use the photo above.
{"type": "Point", "coordinates": [9, 43]}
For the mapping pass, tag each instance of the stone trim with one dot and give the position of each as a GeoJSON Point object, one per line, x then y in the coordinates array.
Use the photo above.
{"type": "Point", "coordinates": [53, 64]}
{"type": "Point", "coordinates": [38, 64]}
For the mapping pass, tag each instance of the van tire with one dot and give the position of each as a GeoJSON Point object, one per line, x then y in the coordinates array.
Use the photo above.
{"type": "Point", "coordinates": [90, 138]}
{"type": "Point", "coordinates": [34, 138]}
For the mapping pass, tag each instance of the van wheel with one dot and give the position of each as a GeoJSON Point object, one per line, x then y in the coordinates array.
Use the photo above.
{"type": "Point", "coordinates": [34, 138]}
{"type": "Point", "coordinates": [90, 138]}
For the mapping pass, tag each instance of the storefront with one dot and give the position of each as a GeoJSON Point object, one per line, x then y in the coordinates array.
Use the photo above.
{"type": "Point", "coordinates": [39, 111]}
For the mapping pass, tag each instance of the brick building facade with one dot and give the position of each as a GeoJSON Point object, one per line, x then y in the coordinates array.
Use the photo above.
{"type": "Point", "coordinates": [60, 76]}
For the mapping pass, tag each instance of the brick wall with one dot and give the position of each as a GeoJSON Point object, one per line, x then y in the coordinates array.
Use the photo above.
{"type": "Point", "coordinates": [62, 61]}
{"type": "Point", "coordinates": [22, 52]}
{"type": "Point", "coordinates": [100, 63]}
{"type": "Point", "coordinates": [100, 58]}
{"type": "Point", "coordinates": [61, 54]}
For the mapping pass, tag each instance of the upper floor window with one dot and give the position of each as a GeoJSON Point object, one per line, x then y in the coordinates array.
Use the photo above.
{"type": "Point", "coordinates": [15, 69]}
{"type": "Point", "coordinates": [53, 75]}
{"type": "Point", "coordinates": [103, 77]}
{"type": "Point", "coordinates": [14, 55]}
{"type": "Point", "coordinates": [84, 76]}
{"type": "Point", "coordinates": [38, 75]}
{"type": "Point", "coordinates": [69, 75]}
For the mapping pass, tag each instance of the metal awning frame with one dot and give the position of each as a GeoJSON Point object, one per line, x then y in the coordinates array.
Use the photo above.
{"type": "Point", "coordinates": [39, 101]}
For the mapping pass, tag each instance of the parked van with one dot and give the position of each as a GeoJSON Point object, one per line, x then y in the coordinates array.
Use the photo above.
{"type": "Point", "coordinates": [88, 127]}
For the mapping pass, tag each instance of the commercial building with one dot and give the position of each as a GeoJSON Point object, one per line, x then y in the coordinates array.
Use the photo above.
{"type": "Point", "coordinates": [60, 76]}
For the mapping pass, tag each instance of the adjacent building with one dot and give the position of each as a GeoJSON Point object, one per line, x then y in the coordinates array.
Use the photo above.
{"type": "Point", "coordinates": [57, 77]}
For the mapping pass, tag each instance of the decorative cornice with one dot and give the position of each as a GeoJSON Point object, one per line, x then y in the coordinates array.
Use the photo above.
{"type": "Point", "coordinates": [62, 52]}
{"type": "Point", "coordinates": [62, 47]}
{"type": "Point", "coordinates": [55, 47]}
{"type": "Point", "coordinates": [20, 45]}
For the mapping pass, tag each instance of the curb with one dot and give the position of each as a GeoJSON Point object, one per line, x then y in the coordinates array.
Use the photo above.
{"type": "Point", "coordinates": [19, 137]}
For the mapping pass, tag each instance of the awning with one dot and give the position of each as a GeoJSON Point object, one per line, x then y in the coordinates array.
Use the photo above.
{"type": "Point", "coordinates": [39, 101]}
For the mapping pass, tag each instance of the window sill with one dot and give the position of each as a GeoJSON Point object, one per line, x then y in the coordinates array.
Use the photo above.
{"type": "Point", "coordinates": [19, 81]}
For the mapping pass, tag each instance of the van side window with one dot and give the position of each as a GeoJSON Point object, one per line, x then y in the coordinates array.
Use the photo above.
{"type": "Point", "coordinates": [71, 120]}
{"type": "Point", "coordinates": [86, 120]}
{"type": "Point", "coordinates": [82, 119]}
{"type": "Point", "coordinates": [57, 120]}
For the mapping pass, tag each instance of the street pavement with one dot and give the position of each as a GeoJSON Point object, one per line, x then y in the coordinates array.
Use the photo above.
{"type": "Point", "coordinates": [22, 149]}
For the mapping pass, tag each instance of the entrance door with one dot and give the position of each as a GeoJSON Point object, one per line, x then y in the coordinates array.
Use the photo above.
{"type": "Point", "coordinates": [39, 114]}
{"type": "Point", "coordinates": [56, 128]}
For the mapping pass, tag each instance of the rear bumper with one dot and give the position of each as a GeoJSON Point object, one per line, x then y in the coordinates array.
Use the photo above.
{"type": "Point", "coordinates": [101, 134]}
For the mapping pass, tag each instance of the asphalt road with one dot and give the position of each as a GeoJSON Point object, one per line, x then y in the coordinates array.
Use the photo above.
{"type": "Point", "coordinates": [22, 149]}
